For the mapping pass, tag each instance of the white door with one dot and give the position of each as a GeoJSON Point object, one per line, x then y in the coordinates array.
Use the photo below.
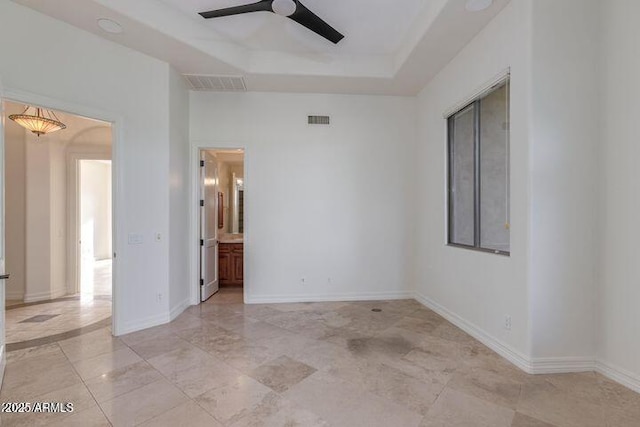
{"type": "Point", "coordinates": [3, 274]}
{"type": "Point", "coordinates": [208, 225]}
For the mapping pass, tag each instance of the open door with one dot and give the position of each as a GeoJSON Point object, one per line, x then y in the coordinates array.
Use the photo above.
{"type": "Point", "coordinates": [208, 225]}
{"type": "Point", "coordinates": [3, 275]}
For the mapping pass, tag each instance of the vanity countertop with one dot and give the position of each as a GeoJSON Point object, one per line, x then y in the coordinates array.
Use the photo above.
{"type": "Point", "coordinates": [231, 238]}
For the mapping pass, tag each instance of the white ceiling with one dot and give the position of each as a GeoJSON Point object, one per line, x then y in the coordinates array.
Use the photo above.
{"type": "Point", "coordinates": [390, 47]}
{"type": "Point", "coordinates": [373, 27]}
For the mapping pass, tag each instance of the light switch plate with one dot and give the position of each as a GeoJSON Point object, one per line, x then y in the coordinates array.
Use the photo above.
{"type": "Point", "coordinates": [135, 239]}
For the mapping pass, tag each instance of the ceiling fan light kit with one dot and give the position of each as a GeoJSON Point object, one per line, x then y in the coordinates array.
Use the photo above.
{"type": "Point", "coordinates": [291, 9]}
{"type": "Point", "coordinates": [284, 7]}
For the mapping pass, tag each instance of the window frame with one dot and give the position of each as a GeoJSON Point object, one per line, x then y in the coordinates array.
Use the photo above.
{"type": "Point", "coordinates": [477, 156]}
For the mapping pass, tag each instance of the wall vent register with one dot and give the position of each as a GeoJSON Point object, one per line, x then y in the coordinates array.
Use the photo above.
{"type": "Point", "coordinates": [319, 120]}
{"type": "Point", "coordinates": [213, 83]}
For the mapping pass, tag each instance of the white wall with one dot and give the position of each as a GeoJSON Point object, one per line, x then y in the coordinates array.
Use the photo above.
{"type": "Point", "coordinates": [96, 75]}
{"type": "Point", "coordinates": [479, 289]}
{"type": "Point", "coordinates": [46, 218]}
{"type": "Point", "coordinates": [179, 289]}
{"type": "Point", "coordinates": [564, 177]}
{"type": "Point", "coordinates": [619, 316]}
{"type": "Point", "coordinates": [95, 194]}
{"type": "Point", "coordinates": [38, 220]}
{"type": "Point", "coordinates": [15, 205]}
{"type": "Point", "coordinates": [322, 202]}
{"type": "Point", "coordinates": [58, 216]}
{"type": "Point", "coordinates": [548, 284]}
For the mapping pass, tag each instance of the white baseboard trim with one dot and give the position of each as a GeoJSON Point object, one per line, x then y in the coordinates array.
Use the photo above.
{"type": "Point", "coordinates": [43, 296]}
{"type": "Point", "coordinates": [375, 296]}
{"type": "Point", "coordinates": [3, 363]}
{"type": "Point", "coordinates": [619, 375]}
{"type": "Point", "coordinates": [18, 296]}
{"type": "Point", "coordinates": [548, 365]}
{"type": "Point", "coordinates": [561, 365]}
{"type": "Point", "coordinates": [504, 350]}
{"type": "Point", "coordinates": [138, 325]}
{"type": "Point", "coordinates": [178, 309]}
{"type": "Point", "coordinates": [151, 321]}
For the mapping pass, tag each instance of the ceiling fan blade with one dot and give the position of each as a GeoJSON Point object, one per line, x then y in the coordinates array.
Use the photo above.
{"type": "Point", "coordinates": [261, 6]}
{"type": "Point", "coordinates": [306, 18]}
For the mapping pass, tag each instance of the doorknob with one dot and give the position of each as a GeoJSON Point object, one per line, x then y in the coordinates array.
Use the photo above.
{"type": "Point", "coordinates": [4, 276]}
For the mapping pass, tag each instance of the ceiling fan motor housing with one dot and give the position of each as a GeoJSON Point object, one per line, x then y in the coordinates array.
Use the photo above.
{"type": "Point", "coordinates": [284, 7]}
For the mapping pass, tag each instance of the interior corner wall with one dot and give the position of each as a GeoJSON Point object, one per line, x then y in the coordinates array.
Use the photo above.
{"type": "Point", "coordinates": [564, 181]}
{"type": "Point", "coordinates": [327, 204]}
{"type": "Point", "coordinates": [15, 208]}
{"type": "Point", "coordinates": [98, 75]}
{"type": "Point", "coordinates": [476, 290]}
{"type": "Point", "coordinates": [58, 215]}
{"type": "Point", "coordinates": [38, 220]}
{"type": "Point", "coordinates": [179, 191]}
{"type": "Point", "coordinates": [619, 292]}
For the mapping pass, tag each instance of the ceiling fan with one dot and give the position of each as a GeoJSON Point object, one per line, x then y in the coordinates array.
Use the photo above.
{"type": "Point", "coordinates": [291, 9]}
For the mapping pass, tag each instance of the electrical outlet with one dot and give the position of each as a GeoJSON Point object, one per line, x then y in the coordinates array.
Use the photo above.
{"type": "Point", "coordinates": [159, 297]}
{"type": "Point", "coordinates": [507, 323]}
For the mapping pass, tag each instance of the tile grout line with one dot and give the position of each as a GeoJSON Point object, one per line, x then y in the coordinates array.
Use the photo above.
{"type": "Point", "coordinates": [168, 380]}
{"type": "Point", "coordinates": [84, 384]}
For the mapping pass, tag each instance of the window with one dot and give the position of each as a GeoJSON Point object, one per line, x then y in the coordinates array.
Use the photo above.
{"type": "Point", "coordinates": [478, 159]}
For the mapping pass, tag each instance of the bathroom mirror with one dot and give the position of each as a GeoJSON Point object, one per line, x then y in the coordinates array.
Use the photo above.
{"type": "Point", "coordinates": [237, 205]}
{"type": "Point", "coordinates": [220, 210]}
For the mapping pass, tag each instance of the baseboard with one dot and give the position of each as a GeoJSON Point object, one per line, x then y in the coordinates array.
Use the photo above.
{"type": "Point", "coordinates": [504, 350]}
{"type": "Point", "coordinates": [44, 296]}
{"type": "Point", "coordinates": [561, 365]}
{"type": "Point", "coordinates": [3, 363]}
{"type": "Point", "coordinates": [151, 321]}
{"type": "Point", "coordinates": [375, 296]}
{"type": "Point", "coordinates": [548, 365]}
{"type": "Point", "coordinates": [178, 309]}
{"type": "Point", "coordinates": [138, 325]}
{"type": "Point", "coordinates": [17, 296]}
{"type": "Point", "coordinates": [619, 375]}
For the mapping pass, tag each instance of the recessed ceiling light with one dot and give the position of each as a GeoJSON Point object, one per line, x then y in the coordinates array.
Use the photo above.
{"type": "Point", "coordinates": [110, 26]}
{"type": "Point", "coordinates": [477, 5]}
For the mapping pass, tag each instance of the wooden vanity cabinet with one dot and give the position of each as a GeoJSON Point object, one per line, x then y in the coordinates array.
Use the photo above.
{"type": "Point", "coordinates": [231, 264]}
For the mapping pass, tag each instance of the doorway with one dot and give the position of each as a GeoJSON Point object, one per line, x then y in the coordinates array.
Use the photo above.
{"type": "Point", "coordinates": [42, 183]}
{"type": "Point", "coordinates": [221, 224]}
{"type": "Point", "coordinates": [95, 225]}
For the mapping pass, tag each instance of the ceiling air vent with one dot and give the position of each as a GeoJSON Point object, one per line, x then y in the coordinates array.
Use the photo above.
{"type": "Point", "coordinates": [319, 120]}
{"type": "Point", "coordinates": [216, 83]}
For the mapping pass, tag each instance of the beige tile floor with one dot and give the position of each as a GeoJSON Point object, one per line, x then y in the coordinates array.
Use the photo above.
{"type": "Point", "coordinates": [320, 364]}
{"type": "Point", "coordinates": [70, 313]}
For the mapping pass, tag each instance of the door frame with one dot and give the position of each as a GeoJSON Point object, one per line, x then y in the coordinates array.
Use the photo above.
{"type": "Point", "coordinates": [194, 211]}
{"type": "Point", "coordinates": [204, 229]}
{"type": "Point", "coordinates": [3, 255]}
{"type": "Point", "coordinates": [117, 135]}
